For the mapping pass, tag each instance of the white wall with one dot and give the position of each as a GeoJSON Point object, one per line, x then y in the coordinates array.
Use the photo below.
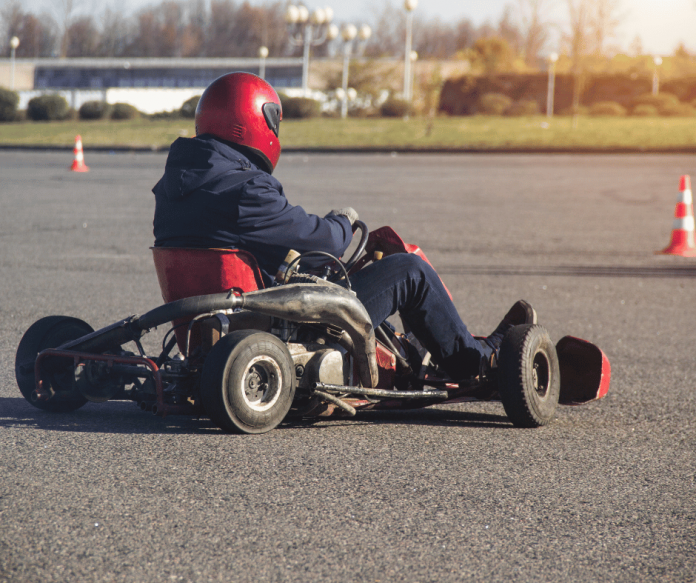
{"type": "Point", "coordinates": [147, 100]}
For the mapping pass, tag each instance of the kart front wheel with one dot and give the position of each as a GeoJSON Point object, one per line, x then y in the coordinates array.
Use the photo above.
{"type": "Point", "coordinates": [58, 374]}
{"type": "Point", "coordinates": [248, 382]}
{"type": "Point", "coordinates": [529, 376]}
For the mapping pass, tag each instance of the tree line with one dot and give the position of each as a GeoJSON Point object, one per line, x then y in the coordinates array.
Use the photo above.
{"type": "Point", "coordinates": [225, 28]}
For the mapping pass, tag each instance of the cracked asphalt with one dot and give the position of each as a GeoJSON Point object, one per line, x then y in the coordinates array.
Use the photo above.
{"type": "Point", "coordinates": [449, 493]}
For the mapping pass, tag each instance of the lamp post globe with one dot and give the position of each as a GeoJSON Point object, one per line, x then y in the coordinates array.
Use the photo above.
{"type": "Point", "coordinates": [349, 32]}
{"type": "Point", "coordinates": [307, 30]}
{"type": "Point", "coordinates": [332, 32]}
{"type": "Point", "coordinates": [318, 16]}
{"type": "Point", "coordinates": [292, 14]}
{"type": "Point", "coordinates": [14, 43]}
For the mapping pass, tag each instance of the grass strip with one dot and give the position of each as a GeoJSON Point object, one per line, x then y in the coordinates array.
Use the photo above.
{"type": "Point", "coordinates": [476, 132]}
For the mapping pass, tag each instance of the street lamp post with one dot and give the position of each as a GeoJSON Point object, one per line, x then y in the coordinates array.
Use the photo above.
{"type": "Point", "coordinates": [348, 35]}
{"type": "Point", "coordinates": [656, 75]}
{"type": "Point", "coordinates": [553, 58]}
{"type": "Point", "coordinates": [14, 43]}
{"type": "Point", "coordinates": [308, 30]}
{"type": "Point", "coordinates": [410, 6]}
{"type": "Point", "coordinates": [263, 54]}
{"type": "Point", "coordinates": [413, 59]}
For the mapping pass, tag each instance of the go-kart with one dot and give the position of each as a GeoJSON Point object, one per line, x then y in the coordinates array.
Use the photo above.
{"type": "Point", "coordinates": [249, 357]}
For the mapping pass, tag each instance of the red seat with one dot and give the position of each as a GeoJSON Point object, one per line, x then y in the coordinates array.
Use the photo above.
{"type": "Point", "coordinates": [184, 272]}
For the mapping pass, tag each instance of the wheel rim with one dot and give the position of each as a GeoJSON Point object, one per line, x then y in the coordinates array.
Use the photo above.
{"type": "Point", "coordinates": [541, 374]}
{"type": "Point", "coordinates": [262, 383]}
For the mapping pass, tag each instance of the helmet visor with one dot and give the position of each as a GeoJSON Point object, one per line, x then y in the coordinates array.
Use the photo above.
{"type": "Point", "coordinates": [272, 113]}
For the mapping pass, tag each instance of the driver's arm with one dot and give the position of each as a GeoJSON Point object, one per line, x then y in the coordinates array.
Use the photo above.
{"type": "Point", "coordinates": [267, 220]}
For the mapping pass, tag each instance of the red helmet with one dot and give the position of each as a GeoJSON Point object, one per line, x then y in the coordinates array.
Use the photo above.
{"type": "Point", "coordinates": [242, 108]}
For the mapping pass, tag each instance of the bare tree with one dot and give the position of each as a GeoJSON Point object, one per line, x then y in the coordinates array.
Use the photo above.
{"type": "Point", "coordinates": [534, 29]}
{"type": "Point", "coordinates": [465, 35]}
{"type": "Point", "coordinates": [194, 30]}
{"type": "Point", "coordinates": [115, 34]}
{"type": "Point", "coordinates": [509, 31]}
{"type": "Point", "coordinates": [434, 39]}
{"type": "Point", "coordinates": [38, 35]}
{"type": "Point", "coordinates": [219, 41]}
{"type": "Point", "coordinates": [65, 11]}
{"type": "Point", "coordinates": [389, 32]}
{"type": "Point", "coordinates": [591, 23]}
{"type": "Point", "coordinates": [604, 19]}
{"type": "Point", "coordinates": [83, 38]}
{"type": "Point", "coordinates": [157, 31]}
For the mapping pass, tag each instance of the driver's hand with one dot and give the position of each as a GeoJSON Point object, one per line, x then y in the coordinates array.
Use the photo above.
{"type": "Point", "coordinates": [350, 213]}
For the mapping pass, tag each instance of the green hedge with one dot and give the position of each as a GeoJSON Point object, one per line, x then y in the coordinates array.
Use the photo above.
{"type": "Point", "coordinates": [645, 110]}
{"type": "Point", "coordinates": [50, 107]}
{"type": "Point", "coordinates": [121, 111]}
{"type": "Point", "coordinates": [393, 107]}
{"type": "Point", "coordinates": [93, 110]}
{"type": "Point", "coordinates": [8, 105]}
{"type": "Point", "coordinates": [607, 108]}
{"type": "Point", "coordinates": [494, 104]}
{"type": "Point", "coordinates": [523, 107]}
{"type": "Point", "coordinates": [188, 109]}
{"type": "Point", "coordinates": [462, 95]}
{"type": "Point", "coordinates": [299, 107]}
{"type": "Point", "coordinates": [678, 110]}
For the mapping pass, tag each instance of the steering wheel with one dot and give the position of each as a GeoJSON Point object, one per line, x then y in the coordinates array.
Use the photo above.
{"type": "Point", "coordinates": [364, 233]}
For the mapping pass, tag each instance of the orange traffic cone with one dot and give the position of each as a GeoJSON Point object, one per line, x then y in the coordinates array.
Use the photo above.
{"type": "Point", "coordinates": [78, 164]}
{"type": "Point", "coordinates": [683, 227]}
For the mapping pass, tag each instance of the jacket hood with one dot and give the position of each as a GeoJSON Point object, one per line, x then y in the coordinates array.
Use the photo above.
{"type": "Point", "coordinates": [195, 162]}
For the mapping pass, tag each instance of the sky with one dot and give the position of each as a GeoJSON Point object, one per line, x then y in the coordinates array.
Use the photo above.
{"type": "Point", "coordinates": [661, 24]}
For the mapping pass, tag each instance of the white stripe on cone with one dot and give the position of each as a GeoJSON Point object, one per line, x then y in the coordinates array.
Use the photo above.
{"type": "Point", "coordinates": [684, 224]}
{"type": "Point", "coordinates": [685, 196]}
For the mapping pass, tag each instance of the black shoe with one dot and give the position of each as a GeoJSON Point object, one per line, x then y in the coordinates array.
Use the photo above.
{"type": "Point", "coordinates": [520, 313]}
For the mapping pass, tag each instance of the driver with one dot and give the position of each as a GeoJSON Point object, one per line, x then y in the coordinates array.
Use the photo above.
{"type": "Point", "coordinates": [218, 192]}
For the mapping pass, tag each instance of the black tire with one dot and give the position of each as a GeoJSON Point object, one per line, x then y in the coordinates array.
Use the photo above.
{"type": "Point", "coordinates": [248, 382]}
{"type": "Point", "coordinates": [50, 332]}
{"type": "Point", "coordinates": [529, 378]}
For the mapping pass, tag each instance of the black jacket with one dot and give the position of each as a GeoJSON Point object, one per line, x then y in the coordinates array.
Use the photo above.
{"type": "Point", "coordinates": [213, 196]}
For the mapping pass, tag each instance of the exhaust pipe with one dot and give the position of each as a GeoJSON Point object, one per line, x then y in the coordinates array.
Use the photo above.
{"type": "Point", "coordinates": [305, 303]}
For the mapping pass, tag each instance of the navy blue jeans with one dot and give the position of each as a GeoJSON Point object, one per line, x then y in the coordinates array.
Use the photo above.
{"type": "Point", "coordinates": [405, 283]}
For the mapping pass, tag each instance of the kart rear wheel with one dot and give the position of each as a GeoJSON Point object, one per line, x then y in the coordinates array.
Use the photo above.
{"type": "Point", "coordinates": [529, 376]}
{"type": "Point", "coordinates": [248, 382]}
{"type": "Point", "coordinates": [58, 373]}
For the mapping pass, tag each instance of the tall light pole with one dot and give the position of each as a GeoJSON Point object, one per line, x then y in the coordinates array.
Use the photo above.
{"type": "Point", "coordinates": [14, 43]}
{"type": "Point", "coordinates": [656, 75]}
{"type": "Point", "coordinates": [410, 6]}
{"type": "Point", "coordinates": [348, 34]}
{"type": "Point", "coordinates": [553, 57]}
{"type": "Point", "coordinates": [413, 59]}
{"type": "Point", "coordinates": [308, 30]}
{"type": "Point", "coordinates": [263, 54]}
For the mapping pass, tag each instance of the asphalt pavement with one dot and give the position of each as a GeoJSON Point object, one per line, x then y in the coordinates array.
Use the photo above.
{"type": "Point", "coordinates": [449, 493]}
